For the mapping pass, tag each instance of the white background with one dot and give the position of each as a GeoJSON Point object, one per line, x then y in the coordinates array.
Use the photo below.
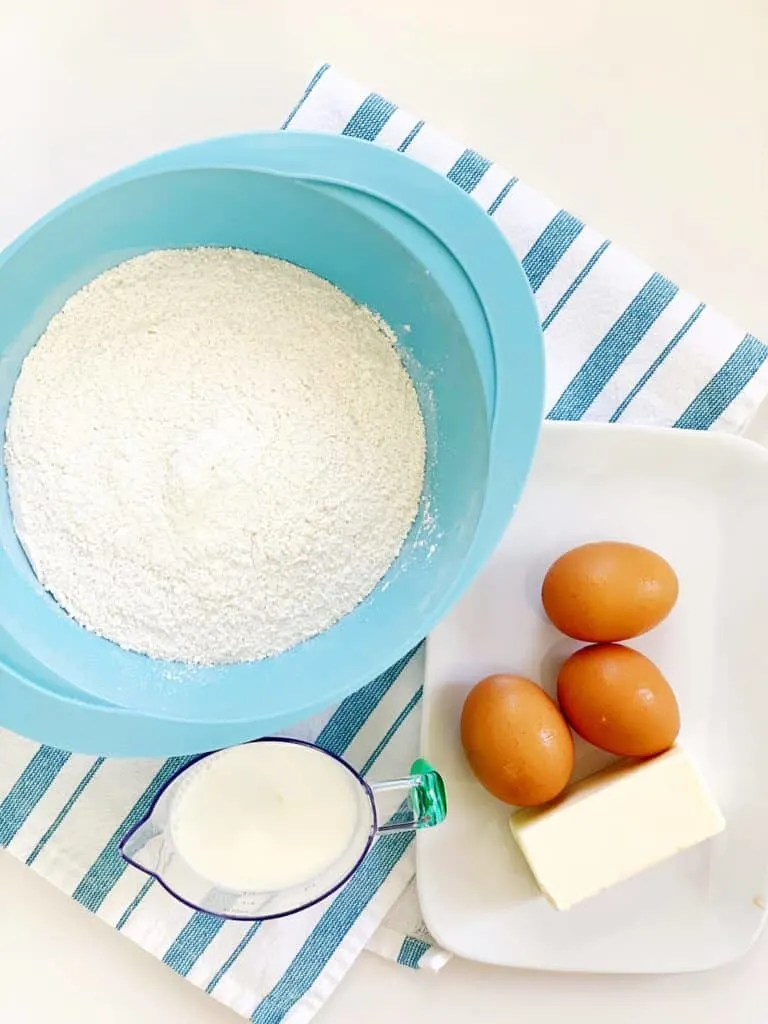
{"type": "Point", "coordinates": [649, 118]}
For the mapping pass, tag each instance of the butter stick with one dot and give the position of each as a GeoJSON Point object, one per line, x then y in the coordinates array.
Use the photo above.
{"type": "Point", "coordinates": [614, 825]}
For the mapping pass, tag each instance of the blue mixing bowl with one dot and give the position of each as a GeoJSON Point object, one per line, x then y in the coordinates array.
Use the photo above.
{"type": "Point", "coordinates": [394, 236]}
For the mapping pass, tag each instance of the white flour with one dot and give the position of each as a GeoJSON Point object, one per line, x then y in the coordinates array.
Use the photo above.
{"type": "Point", "coordinates": [213, 455]}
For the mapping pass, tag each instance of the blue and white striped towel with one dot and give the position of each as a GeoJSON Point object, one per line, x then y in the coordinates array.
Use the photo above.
{"type": "Point", "coordinates": [622, 343]}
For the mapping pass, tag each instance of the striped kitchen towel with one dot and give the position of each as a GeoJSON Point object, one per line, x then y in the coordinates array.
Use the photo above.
{"type": "Point", "coordinates": [622, 343]}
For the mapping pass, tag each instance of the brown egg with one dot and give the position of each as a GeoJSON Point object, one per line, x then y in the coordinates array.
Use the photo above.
{"type": "Point", "coordinates": [618, 700]}
{"type": "Point", "coordinates": [517, 743]}
{"type": "Point", "coordinates": [608, 591]}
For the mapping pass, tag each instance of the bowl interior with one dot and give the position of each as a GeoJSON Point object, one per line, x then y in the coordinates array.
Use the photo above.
{"type": "Point", "coordinates": [318, 231]}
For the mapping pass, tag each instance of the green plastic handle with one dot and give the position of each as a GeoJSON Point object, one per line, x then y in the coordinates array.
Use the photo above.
{"type": "Point", "coordinates": [422, 795]}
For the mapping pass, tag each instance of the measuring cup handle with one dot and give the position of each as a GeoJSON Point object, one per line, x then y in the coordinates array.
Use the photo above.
{"type": "Point", "coordinates": [423, 800]}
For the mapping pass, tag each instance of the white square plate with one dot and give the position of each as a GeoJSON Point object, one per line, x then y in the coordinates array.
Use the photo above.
{"type": "Point", "coordinates": [701, 501]}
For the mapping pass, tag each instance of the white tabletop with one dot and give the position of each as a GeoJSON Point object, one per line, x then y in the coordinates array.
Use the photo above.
{"type": "Point", "coordinates": [647, 118]}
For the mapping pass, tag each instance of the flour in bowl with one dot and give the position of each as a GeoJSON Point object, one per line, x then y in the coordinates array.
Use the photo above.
{"type": "Point", "coordinates": [213, 455]}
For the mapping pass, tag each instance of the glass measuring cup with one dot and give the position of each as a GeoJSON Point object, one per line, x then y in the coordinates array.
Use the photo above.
{"type": "Point", "coordinates": [398, 805]}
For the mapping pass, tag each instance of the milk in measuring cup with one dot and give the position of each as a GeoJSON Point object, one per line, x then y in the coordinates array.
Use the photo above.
{"type": "Point", "coordinates": [265, 816]}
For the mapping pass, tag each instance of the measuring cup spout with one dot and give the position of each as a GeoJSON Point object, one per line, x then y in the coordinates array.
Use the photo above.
{"type": "Point", "coordinates": [145, 847]}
